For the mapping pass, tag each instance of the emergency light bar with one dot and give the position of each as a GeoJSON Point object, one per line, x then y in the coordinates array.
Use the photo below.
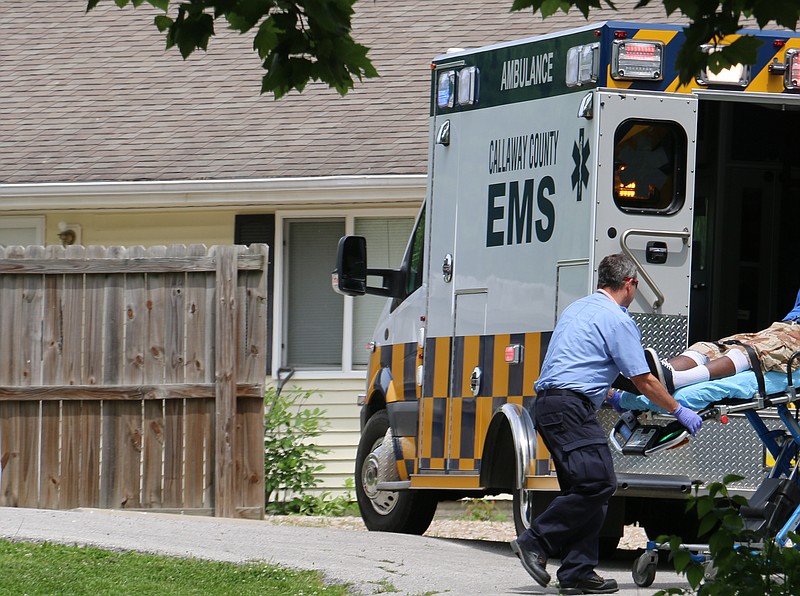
{"type": "Point", "coordinates": [737, 75]}
{"type": "Point", "coordinates": [458, 87]}
{"type": "Point", "coordinates": [583, 64]}
{"type": "Point", "coordinates": [467, 86]}
{"type": "Point", "coordinates": [445, 91]}
{"type": "Point", "coordinates": [637, 60]}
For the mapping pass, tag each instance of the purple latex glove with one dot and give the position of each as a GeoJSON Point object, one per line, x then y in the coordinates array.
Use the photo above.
{"type": "Point", "coordinates": [613, 401]}
{"type": "Point", "coordinates": [689, 419]}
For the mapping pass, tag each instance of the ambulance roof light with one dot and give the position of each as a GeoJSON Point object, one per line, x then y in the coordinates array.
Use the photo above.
{"type": "Point", "coordinates": [637, 60]}
{"type": "Point", "coordinates": [468, 86]}
{"type": "Point", "coordinates": [583, 64]}
{"type": "Point", "coordinates": [737, 75]}
{"type": "Point", "coordinates": [445, 91]}
{"type": "Point", "coordinates": [791, 76]}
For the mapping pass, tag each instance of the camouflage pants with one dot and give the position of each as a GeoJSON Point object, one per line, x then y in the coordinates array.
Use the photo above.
{"type": "Point", "coordinates": [774, 346]}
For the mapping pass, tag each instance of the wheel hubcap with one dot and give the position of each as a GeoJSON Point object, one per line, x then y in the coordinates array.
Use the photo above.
{"type": "Point", "coordinates": [383, 501]}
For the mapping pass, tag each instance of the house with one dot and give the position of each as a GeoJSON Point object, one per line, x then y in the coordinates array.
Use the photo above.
{"type": "Point", "coordinates": [107, 139]}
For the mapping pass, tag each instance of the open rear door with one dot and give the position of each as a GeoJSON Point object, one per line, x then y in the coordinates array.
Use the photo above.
{"type": "Point", "coordinates": [644, 205]}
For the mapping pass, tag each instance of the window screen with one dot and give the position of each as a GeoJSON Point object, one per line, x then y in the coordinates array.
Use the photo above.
{"type": "Point", "coordinates": [649, 166]}
{"type": "Point", "coordinates": [315, 313]}
{"type": "Point", "coordinates": [387, 238]}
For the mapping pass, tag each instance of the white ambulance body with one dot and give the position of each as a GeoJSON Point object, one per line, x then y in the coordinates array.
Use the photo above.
{"type": "Point", "coordinates": [546, 155]}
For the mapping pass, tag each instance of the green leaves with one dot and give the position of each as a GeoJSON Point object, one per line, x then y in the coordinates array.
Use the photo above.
{"type": "Point", "coordinates": [290, 455]}
{"type": "Point", "coordinates": [549, 7]}
{"type": "Point", "coordinates": [743, 562]}
{"type": "Point", "coordinates": [297, 41]}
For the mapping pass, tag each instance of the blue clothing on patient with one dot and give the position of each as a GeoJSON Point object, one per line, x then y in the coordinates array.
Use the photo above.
{"type": "Point", "coordinates": [595, 340]}
{"type": "Point", "coordinates": [795, 312]}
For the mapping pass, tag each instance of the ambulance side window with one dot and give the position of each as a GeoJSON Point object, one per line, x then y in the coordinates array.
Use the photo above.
{"type": "Point", "coordinates": [649, 166]}
{"type": "Point", "coordinates": [413, 262]}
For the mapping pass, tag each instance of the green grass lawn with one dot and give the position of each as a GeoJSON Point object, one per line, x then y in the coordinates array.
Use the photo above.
{"type": "Point", "coordinates": [35, 569]}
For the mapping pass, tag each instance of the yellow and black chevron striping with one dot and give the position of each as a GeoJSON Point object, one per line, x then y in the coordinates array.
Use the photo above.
{"type": "Point", "coordinates": [773, 47]}
{"type": "Point", "coordinates": [452, 421]}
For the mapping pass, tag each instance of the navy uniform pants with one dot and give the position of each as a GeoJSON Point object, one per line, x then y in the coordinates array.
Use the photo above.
{"type": "Point", "coordinates": [569, 528]}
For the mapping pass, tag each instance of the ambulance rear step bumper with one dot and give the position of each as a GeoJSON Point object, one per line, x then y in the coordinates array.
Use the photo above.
{"type": "Point", "coordinates": [654, 485]}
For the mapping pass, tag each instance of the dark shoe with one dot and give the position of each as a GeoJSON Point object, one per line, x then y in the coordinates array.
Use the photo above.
{"type": "Point", "coordinates": [534, 563]}
{"type": "Point", "coordinates": [661, 369]}
{"type": "Point", "coordinates": [591, 584]}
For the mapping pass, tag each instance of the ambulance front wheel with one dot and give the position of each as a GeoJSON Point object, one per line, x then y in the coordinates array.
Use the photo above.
{"type": "Point", "coordinates": [402, 511]}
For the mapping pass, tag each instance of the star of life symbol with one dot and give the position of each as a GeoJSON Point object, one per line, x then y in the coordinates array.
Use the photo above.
{"type": "Point", "coordinates": [580, 175]}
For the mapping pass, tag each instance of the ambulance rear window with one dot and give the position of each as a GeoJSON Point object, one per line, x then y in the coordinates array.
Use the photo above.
{"type": "Point", "coordinates": [649, 166]}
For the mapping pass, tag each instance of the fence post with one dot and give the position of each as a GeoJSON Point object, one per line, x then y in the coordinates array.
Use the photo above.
{"type": "Point", "coordinates": [225, 380]}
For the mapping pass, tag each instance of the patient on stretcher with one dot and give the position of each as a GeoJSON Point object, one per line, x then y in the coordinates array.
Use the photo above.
{"type": "Point", "coordinates": [711, 371]}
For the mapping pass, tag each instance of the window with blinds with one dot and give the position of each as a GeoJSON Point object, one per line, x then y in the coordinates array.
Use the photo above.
{"type": "Point", "coordinates": [314, 313]}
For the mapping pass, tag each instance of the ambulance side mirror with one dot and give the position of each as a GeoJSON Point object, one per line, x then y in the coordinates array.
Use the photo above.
{"type": "Point", "coordinates": [350, 276]}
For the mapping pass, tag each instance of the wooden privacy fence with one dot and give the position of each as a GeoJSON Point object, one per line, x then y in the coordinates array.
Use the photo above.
{"type": "Point", "coordinates": [133, 377]}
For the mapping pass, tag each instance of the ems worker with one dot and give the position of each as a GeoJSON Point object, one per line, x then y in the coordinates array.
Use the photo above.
{"type": "Point", "coordinates": [594, 341]}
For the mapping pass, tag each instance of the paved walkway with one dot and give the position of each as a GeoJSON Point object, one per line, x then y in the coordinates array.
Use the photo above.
{"type": "Point", "coordinates": [413, 565]}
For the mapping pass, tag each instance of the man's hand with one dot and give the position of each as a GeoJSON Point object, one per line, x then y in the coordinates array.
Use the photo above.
{"type": "Point", "coordinates": [613, 398]}
{"type": "Point", "coordinates": [689, 419]}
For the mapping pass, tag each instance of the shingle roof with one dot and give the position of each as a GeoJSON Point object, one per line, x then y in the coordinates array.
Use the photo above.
{"type": "Point", "coordinates": [95, 97]}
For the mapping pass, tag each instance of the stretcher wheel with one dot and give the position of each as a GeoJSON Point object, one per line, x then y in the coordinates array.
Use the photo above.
{"type": "Point", "coordinates": [644, 569]}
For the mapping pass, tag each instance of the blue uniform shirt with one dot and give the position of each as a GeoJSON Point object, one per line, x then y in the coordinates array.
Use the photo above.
{"type": "Point", "coordinates": [595, 339]}
{"type": "Point", "coordinates": [795, 312]}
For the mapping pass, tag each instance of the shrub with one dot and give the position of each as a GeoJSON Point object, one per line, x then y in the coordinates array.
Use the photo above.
{"type": "Point", "coordinates": [290, 455]}
{"type": "Point", "coordinates": [742, 563]}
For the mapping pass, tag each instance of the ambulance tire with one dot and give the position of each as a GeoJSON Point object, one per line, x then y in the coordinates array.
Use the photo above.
{"type": "Point", "coordinates": [403, 511]}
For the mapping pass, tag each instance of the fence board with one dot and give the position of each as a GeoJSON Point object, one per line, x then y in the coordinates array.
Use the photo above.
{"type": "Point", "coordinates": [153, 437]}
{"type": "Point", "coordinates": [198, 467]}
{"type": "Point", "coordinates": [173, 409]}
{"type": "Point", "coordinates": [112, 480]}
{"type": "Point", "coordinates": [71, 341]}
{"type": "Point", "coordinates": [26, 424]}
{"type": "Point", "coordinates": [149, 361]}
{"type": "Point", "coordinates": [225, 367]}
{"type": "Point", "coordinates": [91, 425]}
{"type": "Point", "coordinates": [50, 473]}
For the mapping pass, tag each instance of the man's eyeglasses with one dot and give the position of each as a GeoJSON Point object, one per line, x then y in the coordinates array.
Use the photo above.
{"type": "Point", "coordinates": [633, 280]}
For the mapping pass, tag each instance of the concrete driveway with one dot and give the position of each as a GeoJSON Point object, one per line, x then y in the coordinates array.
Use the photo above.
{"type": "Point", "coordinates": [371, 562]}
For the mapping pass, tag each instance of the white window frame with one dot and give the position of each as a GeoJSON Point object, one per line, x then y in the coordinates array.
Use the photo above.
{"type": "Point", "coordinates": [37, 222]}
{"type": "Point", "coordinates": [279, 326]}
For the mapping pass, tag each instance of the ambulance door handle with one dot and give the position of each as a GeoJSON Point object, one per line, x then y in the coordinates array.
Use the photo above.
{"type": "Point", "coordinates": [447, 268]}
{"type": "Point", "coordinates": [623, 242]}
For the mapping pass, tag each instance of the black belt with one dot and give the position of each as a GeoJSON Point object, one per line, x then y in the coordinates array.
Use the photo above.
{"type": "Point", "coordinates": [564, 393]}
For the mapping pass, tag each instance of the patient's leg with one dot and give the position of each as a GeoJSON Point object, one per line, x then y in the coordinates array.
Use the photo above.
{"type": "Point", "coordinates": [687, 371]}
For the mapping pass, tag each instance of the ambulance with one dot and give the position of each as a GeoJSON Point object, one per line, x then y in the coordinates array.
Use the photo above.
{"type": "Point", "coordinates": [547, 154]}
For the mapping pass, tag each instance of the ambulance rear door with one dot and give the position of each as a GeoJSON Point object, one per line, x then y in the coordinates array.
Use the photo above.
{"type": "Point", "coordinates": [644, 203]}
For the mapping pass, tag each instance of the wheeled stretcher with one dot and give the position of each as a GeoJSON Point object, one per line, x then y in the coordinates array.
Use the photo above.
{"type": "Point", "coordinates": [774, 509]}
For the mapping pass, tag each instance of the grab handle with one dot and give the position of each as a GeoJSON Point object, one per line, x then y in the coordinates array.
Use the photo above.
{"type": "Point", "coordinates": [623, 241]}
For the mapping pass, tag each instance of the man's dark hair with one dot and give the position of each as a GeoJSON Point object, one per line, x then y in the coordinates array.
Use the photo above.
{"type": "Point", "coordinates": [613, 270]}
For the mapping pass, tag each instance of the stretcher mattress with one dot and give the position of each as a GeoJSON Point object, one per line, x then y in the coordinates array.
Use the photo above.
{"type": "Point", "coordinates": [740, 386]}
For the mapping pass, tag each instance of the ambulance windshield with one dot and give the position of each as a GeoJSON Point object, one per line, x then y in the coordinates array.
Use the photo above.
{"type": "Point", "coordinates": [649, 166]}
